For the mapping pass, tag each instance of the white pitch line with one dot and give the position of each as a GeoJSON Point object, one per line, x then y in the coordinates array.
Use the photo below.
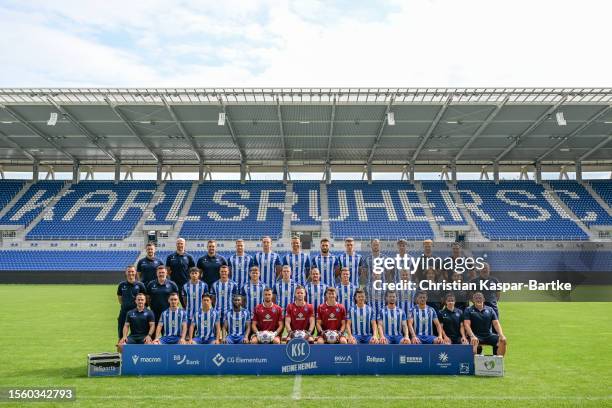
{"type": "Point", "coordinates": [297, 387]}
{"type": "Point", "coordinates": [352, 397]}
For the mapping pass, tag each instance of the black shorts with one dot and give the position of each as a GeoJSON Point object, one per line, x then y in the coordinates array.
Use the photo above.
{"type": "Point", "coordinates": [455, 340]}
{"type": "Point", "coordinates": [136, 339]}
{"type": "Point", "coordinates": [491, 339]}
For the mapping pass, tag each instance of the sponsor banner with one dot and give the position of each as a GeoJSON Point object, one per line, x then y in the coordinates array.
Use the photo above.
{"type": "Point", "coordinates": [297, 357]}
{"type": "Point", "coordinates": [489, 366]}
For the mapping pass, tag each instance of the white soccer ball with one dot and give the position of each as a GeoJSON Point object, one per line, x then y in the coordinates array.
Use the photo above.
{"type": "Point", "coordinates": [331, 336]}
{"type": "Point", "coordinates": [265, 337]}
{"type": "Point", "coordinates": [300, 334]}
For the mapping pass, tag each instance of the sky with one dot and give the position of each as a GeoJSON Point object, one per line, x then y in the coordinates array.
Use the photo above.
{"type": "Point", "coordinates": [262, 43]}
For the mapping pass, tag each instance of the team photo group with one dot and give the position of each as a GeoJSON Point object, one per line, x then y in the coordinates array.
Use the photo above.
{"type": "Point", "coordinates": [323, 298]}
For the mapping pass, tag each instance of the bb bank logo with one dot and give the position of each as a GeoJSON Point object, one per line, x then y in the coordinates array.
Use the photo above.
{"type": "Point", "coordinates": [298, 350]}
{"type": "Point", "coordinates": [181, 359]}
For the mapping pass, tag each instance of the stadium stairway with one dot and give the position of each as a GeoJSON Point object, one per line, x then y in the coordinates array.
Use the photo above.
{"type": "Point", "coordinates": [157, 196]}
{"type": "Point", "coordinates": [474, 232]}
{"type": "Point", "coordinates": [325, 227]}
{"type": "Point", "coordinates": [185, 210]}
{"type": "Point", "coordinates": [438, 236]}
{"type": "Point", "coordinates": [564, 211]}
{"type": "Point", "coordinates": [290, 200]}
{"type": "Point", "coordinates": [597, 197]}
{"type": "Point", "coordinates": [22, 234]}
{"type": "Point", "coordinates": [15, 198]}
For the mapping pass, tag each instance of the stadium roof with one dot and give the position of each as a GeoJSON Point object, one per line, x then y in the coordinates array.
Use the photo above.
{"type": "Point", "coordinates": [296, 126]}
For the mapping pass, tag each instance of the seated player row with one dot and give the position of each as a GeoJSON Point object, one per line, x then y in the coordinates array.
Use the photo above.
{"type": "Point", "coordinates": [333, 324]}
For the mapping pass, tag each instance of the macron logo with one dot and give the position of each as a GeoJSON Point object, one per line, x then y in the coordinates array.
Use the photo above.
{"type": "Point", "coordinates": [135, 359]}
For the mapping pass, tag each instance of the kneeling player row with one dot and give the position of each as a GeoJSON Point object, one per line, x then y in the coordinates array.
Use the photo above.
{"type": "Point", "coordinates": [333, 324]}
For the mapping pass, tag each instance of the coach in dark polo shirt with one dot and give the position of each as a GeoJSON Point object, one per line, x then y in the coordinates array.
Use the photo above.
{"type": "Point", "coordinates": [147, 266]}
{"type": "Point", "coordinates": [490, 296]}
{"type": "Point", "coordinates": [178, 264]}
{"type": "Point", "coordinates": [210, 264]}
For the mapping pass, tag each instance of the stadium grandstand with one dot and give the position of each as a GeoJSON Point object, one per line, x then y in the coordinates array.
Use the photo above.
{"type": "Point", "coordinates": [450, 153]}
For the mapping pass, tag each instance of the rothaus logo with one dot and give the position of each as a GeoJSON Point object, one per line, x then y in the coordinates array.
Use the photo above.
{"type": "Point", "coordinates": [374, 359]}
{"type": "Point", "coordinates": [298, 350]}
{"type": "Point", "coordinates": [136, 359]}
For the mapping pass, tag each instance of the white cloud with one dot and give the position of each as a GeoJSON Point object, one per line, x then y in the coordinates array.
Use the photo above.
{"type": "Point", "coordinates": [268, 43]}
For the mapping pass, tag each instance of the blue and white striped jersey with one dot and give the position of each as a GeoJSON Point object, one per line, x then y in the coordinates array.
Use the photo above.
{"type": "Point", "coordinates": [361, 320]}
{"type": "Point", "coordinates": [354, 263]}
{"type": "Point", "coordinates": [171, 321]}
{"type": "Point", "coordinates": [391, 320]}
{"type": "Point", "coordinates": [423, 320]}
{"type": "Point", "coordinates": [237, 322]}
{"type": "Point", "coordinates": [346, 295]}
{"type": "Point", "coordinates": [192, 293]}
{"type": "Point", "coordinates": [267, 267]}
{"type": "Point", "coordinates": [205, 324]}
{"type": "Point", "coordinates": [315, 294]}
{"type": "Point", "coordinates": [253, 294]}
{"type": "Point", "coordinates": [300, 266]}
{"type": "Point", "coordinates": [284, 292]}
{"type": "Point", "coordinates": [327, 265]}
{"type": "Point", "coordinates": [223, 292]}
{"type": "Point", "coordinates": [240, 267]}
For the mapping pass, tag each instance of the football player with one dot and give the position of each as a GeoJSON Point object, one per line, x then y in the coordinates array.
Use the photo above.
{"type": "Point", "coordinates": [422, 321]}
{"type": "Point", "coordinates": [268, 317]}
{"type": "Point", "coordinates": [237, 324]}
{"type": "Point", "coordinates": [331, 319]}
{"type": "Point", "coordinates": [361, 323]}
{"type": "Point", "coordinates": [479, 320]}
{"type": "Point", "coordinates": [299, 317]}
{"type": "Point", "coordinates": [173, 322]}
{"type": "Point", "coordinates": [139, 324]}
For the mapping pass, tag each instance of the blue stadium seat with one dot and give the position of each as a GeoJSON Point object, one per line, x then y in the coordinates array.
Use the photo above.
{"type": "Point", "coordinates": [32, 203]}
{"type": "Point", "coordinates": [60, 260]}
{"type": "Point", "coordinates": [382, 209]}
{"type": "Point", "coordinates": [578, 199]}
{"type": "Point", "coordinates": [166, 212]}
{"type": "Point", "coordinates": [230, 210]}
{"type": "Point", "coordinates": [307, 210]}
{"type": "Point", "coordinates": [8, 190]}
{"type": "Point", "coordinates": [604, 189]}
{"type": "Point", "coordinates": [516, 210]}
{"type": "Point", "coordinates": [100, 210]}
{"type": "Point", "coordinates": [442, 203]}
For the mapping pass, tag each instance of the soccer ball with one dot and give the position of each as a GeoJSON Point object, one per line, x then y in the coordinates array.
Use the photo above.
{"type": "Point", "coordinates": [331, 336]}
{"type": "Point", "coordinates": [300, 334]}
{"type": "Point", "coordinates": [265, 337]}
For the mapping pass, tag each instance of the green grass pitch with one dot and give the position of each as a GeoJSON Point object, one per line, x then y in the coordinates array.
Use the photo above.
{"type": "Point", "coordinates": [560, 354]}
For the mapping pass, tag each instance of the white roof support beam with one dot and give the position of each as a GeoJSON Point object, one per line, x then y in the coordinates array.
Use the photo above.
{"type": "Point", "coordinates": [431, 128]}
{"type": "Point", "coordinates": [133, 129]}
{"type": "Point", "coordinates": [95, 139]}
{"type": "Point", "coordinates": [228, 123]}
{"type": "Point", "coordinates": [331, 130]}
{"type": "Point", "coordinates": [576, 132]}
{"type": "Point", "coordinates": [181, 128]}
{"type": "Point", "coordinates": [6, 139]}
{"type": "Point", "coordinates": [481, 128]}
{"type": "Point", "coordinates": [599, 145]}
{"type": "Point", "coordinates": [530, 129]}
{"type": "Point", "coordinates": [37, 132]}
{"type": "Point", "coordinates": [381, 129]}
